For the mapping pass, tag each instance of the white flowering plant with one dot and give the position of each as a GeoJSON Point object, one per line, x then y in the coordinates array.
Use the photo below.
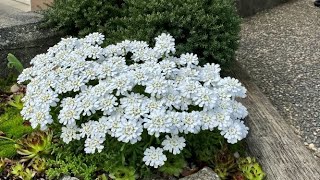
{"type": "Point", "coordinates": [130, 94]}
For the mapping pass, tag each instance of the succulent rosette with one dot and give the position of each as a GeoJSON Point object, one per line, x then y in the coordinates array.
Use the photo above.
{"type": "Point", "coordinates": [128, 88]}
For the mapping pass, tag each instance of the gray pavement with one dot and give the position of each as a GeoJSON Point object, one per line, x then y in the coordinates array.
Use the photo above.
{"type": "Point", "coordinates": [280, 49]}
{"type": "Point", "coordinates": [10, 16]}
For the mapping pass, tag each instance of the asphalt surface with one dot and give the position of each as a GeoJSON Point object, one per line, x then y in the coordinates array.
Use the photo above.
{"type": "Point", "coordinates": [280, 49]}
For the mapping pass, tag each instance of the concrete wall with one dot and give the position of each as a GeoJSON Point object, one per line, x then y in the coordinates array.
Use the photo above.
{"type": "Point", "coordinates": [25, 42]}
{"type": "Point", "coordinates": [250, 7]}
{"type": "Point", "coordinates": [39, 4]}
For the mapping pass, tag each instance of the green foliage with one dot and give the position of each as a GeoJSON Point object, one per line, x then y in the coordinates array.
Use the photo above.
{"type": "Point", "coordinates": [7, 149]}
{"type": "Point", "coordinates": [39, 164]}
{"type": "Point", "coordinates": [116, 158]}
{"type": "Point", "coordinates": [67, 163]}
{"type": "Point", "coordinates": [224, 163]}
{"type": "Point", "coordinates": [2, 164]}
{"type": "Point", "coordinates": [12, 127]}
{"type": "Point", "coordinates": [81, 17]}
{"type": "Point", "coordinates": [205, 149]}
{"type": "Point", "coordinates": [251, 169]}
{"type": "Point", "coordinates": [22, 172]}
{"type": "Point", "coordinates": [208, 28]}
{"type": "Point", "coordinates": [123, 173]}
{"type": "Point", "coordinates": [13, 62]}
{"type": "Point", "coordinates": [16, 101]}
{"type": "Point", "coordinates": [34, 145]}
{"type": "Point", "coordinates": [174, 165]}
{"type": "Point", "coordinates": [5, 83]}
{"type": "Point", "coordinates": [12, 124]}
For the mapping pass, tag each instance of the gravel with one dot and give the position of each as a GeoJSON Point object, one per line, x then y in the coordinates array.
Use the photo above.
{"type": "Point", "coordinates": [280, 49]}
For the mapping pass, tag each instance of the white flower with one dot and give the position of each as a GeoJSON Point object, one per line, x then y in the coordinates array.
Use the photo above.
{"type": "Point", "coordinates": [129, 131]}
{"type": "Point", "coordinates": [209, 120]}
{"type": "Point", "coordinates": [172, 99]}
{"type": "Point", "coordinates": [94, 38]}
{"type": "Point", "coordinates": [235, 132]}
{"type": "Point", "coordinates": [173, 144]}
{"type": "Point", "coordinates": [233, 86]}
{"type": "Point", "coordinates": [132, 99]}
{"type": "Point", "coordinates": [69, 178]}
{"type": "Point", "coordinates": [153, 105]}
{"type": "Point", "coordinates": [113, 122]}
{"type": "Point", "coordinates": [154, 157]}
{"type": "Point", "coordinates": [205, 98]}
{"type": "Point", "coordinates": [157, 122]}
{"type": "Point", "coordinates": [140, 77]}
{"type": "Point", "coordinates": [123, 84]}
{"type": "Point", "coordinates": [93, 144]}
{"type": "Point", "coordinates": [69, 133]}
{"type": "Point", "coordinates": [164, 44]}
{"type": "Point", "coordinates": [223, 119]}
{"type": "Point", "coordinates": [68, 116]}
{"type": "Point", "coordinates": [188, 88]}
{"type": "Point", "coordinates": [238, 111]}
{"type": "Point", "coordinates": [88, 129]}
{"type": "Point", "coordinates": [156, 86]}
{"type": "Point", "coordinates": [189, 59]}
{"type": "Point", "coordinates": [135, 112]}
{"type": "Point", "coordinates": [168, 67]}
{"type": "Point", "coordinates": [210, 74]}
{"type": "Point", "coordinates": [87, 105]}
{"type": "Point", "coordinates": [107, 104]}
{"type": "Point", "coordinates": [176, 119]}
{"type": "Point", "coordinates": [192, 122]}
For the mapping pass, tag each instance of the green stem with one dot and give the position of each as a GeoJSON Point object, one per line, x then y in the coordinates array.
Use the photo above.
{"type": "Point", "coordinates": [6, 138]}
{"type": "Point", "coordinates": [150, 142]}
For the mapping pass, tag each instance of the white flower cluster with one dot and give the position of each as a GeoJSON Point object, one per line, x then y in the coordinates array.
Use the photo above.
{"type": "Point", "coordinates": [133, 88]}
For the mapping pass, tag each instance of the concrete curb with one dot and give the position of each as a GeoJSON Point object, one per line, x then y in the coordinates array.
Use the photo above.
{"type": "Point", "coordinates": [250, 7]}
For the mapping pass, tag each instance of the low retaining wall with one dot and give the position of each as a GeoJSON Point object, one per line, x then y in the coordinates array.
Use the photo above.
{"type": "Point", "coordinates": [25, 42]}
{"type": "Point", "coordinates": [250, 7]}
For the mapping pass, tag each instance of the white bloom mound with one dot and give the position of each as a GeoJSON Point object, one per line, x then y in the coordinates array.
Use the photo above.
{"type": "Point", "coordinates": [124, 89]}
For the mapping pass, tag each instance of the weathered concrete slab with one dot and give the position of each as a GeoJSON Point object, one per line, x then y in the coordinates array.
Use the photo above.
{"type": "Point", "coordinates": [25, 42]}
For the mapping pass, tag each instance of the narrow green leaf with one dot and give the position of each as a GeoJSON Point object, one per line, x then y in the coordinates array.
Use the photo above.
{"type": "Point", "coordinates": [13, 62]}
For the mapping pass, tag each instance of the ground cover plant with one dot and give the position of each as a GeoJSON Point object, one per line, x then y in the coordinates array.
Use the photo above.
{"type": "Point", "coordinates": [208, 28]}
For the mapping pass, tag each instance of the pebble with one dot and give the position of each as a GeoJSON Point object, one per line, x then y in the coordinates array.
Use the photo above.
{"type": "Point", "coordinates": [312, 147]}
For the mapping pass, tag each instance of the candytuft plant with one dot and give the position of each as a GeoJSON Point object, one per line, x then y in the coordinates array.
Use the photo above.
{"type": "Point", "coordinates": [133, 104]}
